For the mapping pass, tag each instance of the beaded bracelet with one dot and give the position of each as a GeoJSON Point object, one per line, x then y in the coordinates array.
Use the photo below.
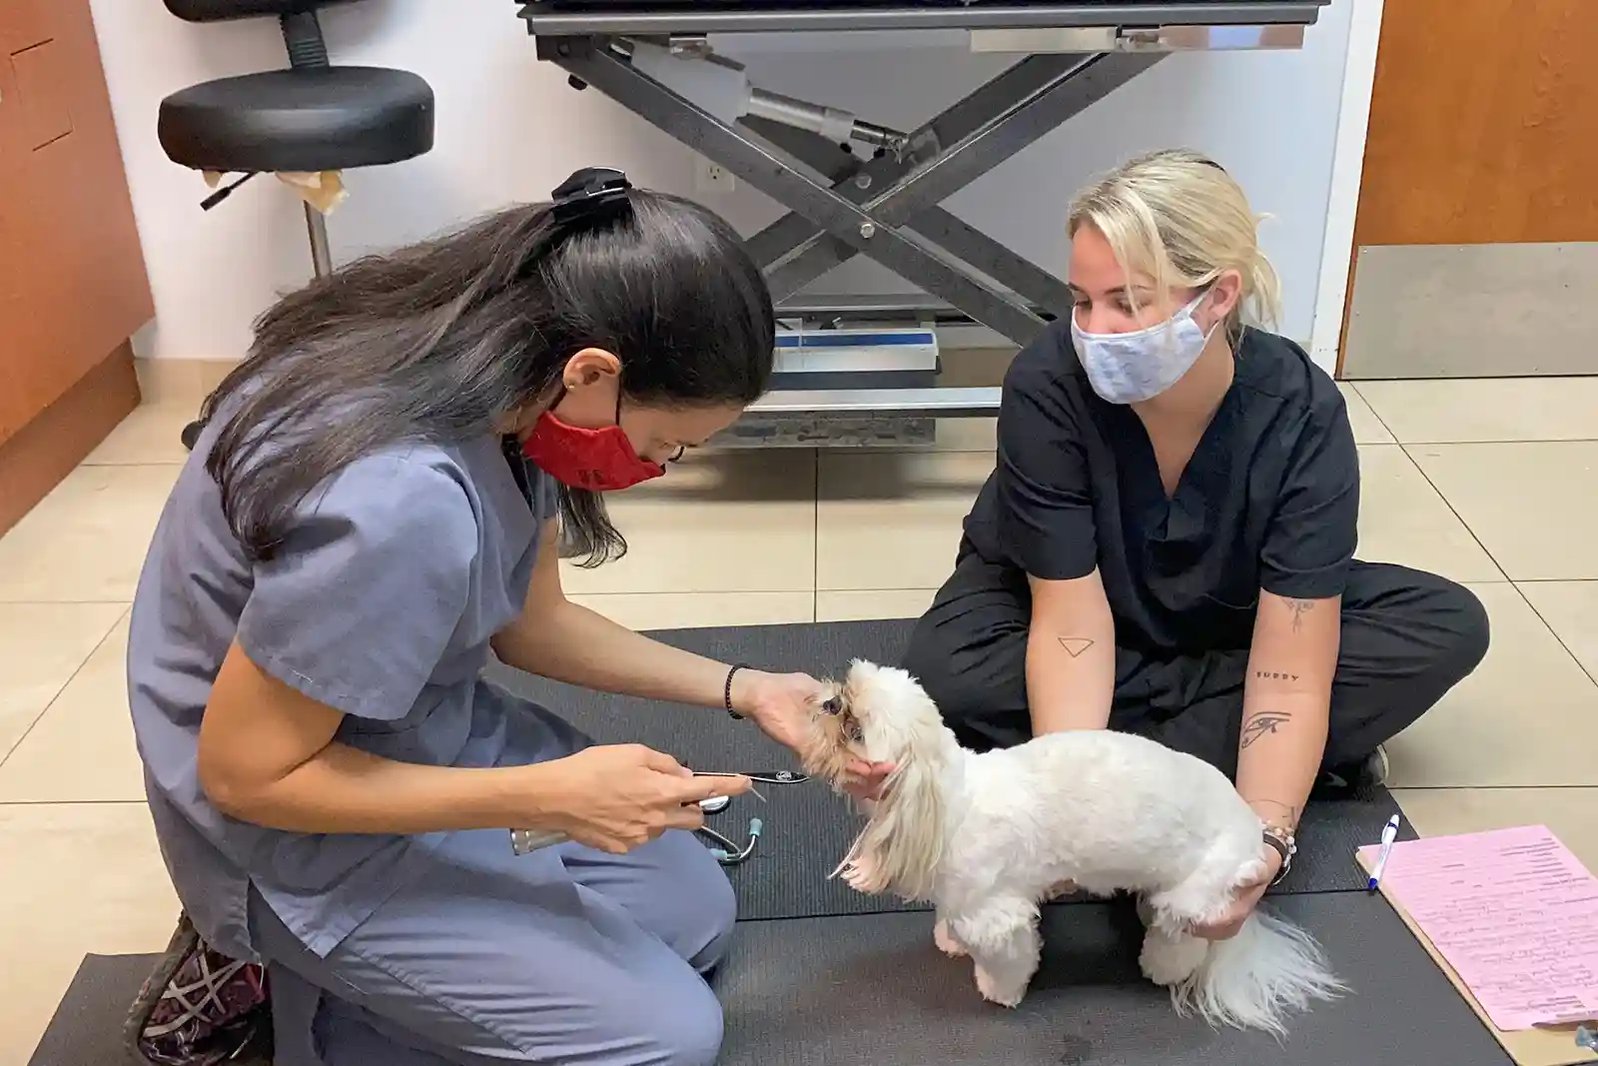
{"type": "Point", "coordinates": [726, 692]}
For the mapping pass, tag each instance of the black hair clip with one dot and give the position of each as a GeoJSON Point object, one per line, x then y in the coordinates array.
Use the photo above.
{"type": "Point", "coordinates": [590, 191]}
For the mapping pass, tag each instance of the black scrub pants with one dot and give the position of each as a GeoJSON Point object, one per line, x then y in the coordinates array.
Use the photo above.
{"type": "Point", "coordinates": [1408, 637]}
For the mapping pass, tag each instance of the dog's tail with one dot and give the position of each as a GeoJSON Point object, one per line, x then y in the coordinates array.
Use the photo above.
{"type": "Point", "coordinates": [1252, 980]}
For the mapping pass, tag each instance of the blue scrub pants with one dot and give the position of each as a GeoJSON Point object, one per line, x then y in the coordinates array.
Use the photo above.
{"type": "Point", "coordinates": [572, 957]}
{"type": "Point", "coordinates": [567, 955]}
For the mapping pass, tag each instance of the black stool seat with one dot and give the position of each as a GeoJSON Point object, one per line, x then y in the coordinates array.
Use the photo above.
{"type": "Point", "coordinates": [310, 119]}
{"type": "Point", "coordinates": [222, 10]}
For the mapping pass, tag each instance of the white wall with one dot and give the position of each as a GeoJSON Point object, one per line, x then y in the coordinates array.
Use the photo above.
{"type": "Point", "coordinates": [510, 129]}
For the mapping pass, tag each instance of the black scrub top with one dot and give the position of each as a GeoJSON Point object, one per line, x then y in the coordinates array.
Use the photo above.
{"type": "Point", "coordinates": [1270, 498]}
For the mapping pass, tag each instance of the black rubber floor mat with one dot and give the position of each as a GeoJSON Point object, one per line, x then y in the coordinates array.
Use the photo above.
{"type": "Point", "coordinates": [87, 1027]}
{"type": "Point", "coordinates": [807, 827]}
{"type": "Point", "coordinates": [872, 990]}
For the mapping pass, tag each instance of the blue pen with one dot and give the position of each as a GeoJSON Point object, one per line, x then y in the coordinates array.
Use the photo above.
{"type": "Point", "coordinates": [1389, 837]}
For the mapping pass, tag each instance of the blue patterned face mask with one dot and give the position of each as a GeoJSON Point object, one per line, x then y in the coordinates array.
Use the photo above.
{"type": "Point", "coordinates": [1138, 366]}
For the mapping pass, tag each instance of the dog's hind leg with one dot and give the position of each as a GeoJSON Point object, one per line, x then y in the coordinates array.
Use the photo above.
{"type": "Point", "coordinates": [1003, 940]}
{"type": "Point", "coordinates": [1205, 893]}
{"type": "Point", "coordinates": [1169, 959]}
{"type": "Point", "coordinates": [1169, 956]}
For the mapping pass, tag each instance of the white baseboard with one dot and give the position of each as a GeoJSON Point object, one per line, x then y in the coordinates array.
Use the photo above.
{"type": "Point", "coordinates": [180, 382]}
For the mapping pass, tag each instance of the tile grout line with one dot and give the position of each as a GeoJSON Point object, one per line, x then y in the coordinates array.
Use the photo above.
{"type": "Point", "coordinates": [64, 603]}
{"type": "Point", "coordinates": [1550, 627]}
{"type": "Point", "coordinates": [1391, 432]}
{"type": "Point", "coordinates": [75, 803]}
{"type": "Point", "coordinates": [1558, 581]}
{"type": "Point", "coordinates": [1434, 379]}
{"type": "Point", "coordinates": [12, 750]}
{"type": "Point", "coordinates": [1504, 574]}
{"type": "Point", "coordinates": [1374, 413]}
{"type": "Point", "coordinates": [1487, 788]}
{"type": "Point", "coordinates": [1512, 583]}
{"type": "Point", "coordinates": [1466, 443]}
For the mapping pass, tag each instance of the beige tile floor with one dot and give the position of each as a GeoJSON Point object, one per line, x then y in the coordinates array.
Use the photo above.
{"type": "Point", "coordinates": [1492, 483]}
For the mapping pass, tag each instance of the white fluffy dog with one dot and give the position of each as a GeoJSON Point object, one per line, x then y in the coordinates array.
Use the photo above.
{"type": "Point", "coordinates": [986, 837]}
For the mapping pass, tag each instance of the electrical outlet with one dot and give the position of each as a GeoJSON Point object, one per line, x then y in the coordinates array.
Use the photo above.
{"type": "Point", "coordinates": [713, 179]}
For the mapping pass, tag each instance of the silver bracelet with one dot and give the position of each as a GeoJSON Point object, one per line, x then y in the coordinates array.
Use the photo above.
{"type": "Point", "coordinates": [1285, 844]}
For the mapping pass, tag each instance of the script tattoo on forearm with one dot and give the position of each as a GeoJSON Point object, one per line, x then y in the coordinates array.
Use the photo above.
{"type": "Point", "coordinates": [1262, 723]}
{"type": "Point", "coordinates": [1075, 647]}
{"type": "Point", "coordinates": [1300, 608]}
{"type": "Point", "coordinates": [1275, 675]}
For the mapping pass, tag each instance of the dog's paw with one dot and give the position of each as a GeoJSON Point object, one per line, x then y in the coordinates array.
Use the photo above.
{"type": "Point", "coordinates": [994, 990]}
{"type": "Point", "coordinates": [946, 941]}
{"type": "Point", "coordinates": [1169, 962]}
{"type": "Point", "coordinates": [864, 875]}
{"type": "Point", "coordinates": [1059, 890]}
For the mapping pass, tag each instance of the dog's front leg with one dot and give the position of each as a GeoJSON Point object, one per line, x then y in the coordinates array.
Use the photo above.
{"type": "Point", "coordinates": [1003, 940]}
{"type": "Point", "coordinates": [944, 939]}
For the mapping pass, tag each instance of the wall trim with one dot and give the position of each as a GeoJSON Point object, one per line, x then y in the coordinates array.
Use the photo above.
{"type": "Point", "coordinates": [1348, 164]}
{"type": "Point", "coordinates": [180, 382]}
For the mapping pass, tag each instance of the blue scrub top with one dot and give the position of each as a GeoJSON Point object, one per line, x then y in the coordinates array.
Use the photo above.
{"type": "Point", "coordinates": [380, 603]}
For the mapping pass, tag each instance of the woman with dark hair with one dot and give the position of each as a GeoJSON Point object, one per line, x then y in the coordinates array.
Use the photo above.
{"type": "Point", "coordinates": [373, 506]}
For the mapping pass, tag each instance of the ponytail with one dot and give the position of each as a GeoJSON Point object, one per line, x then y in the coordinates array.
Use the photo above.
{"type": "Point", "coordinates": [442, 340]}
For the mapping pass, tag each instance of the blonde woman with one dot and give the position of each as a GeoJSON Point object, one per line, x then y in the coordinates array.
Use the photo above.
{"type": "Point", "coordinates": [1166, 544]}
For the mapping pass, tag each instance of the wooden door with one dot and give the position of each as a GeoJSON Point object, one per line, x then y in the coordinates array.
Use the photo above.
{"type": "Point", "coordinates": [72, 281]}
{"type": "Point", "coordinates": [1479, 200]}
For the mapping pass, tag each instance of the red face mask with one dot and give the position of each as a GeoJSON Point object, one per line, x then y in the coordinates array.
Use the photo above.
{"type": "Point", "coordinates": [599, 460]}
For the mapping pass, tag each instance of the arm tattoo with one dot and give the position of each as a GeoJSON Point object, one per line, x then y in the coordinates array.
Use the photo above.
{"type": "Point", "coordinates": [1289, 813]}
{"type": "Point", "coordinates": [1261, 723]}
{"type": "Point", "coordinates": [1300, 608]}
{"type": "Point", "coordinates": [1075, 646]}
{"type": "Point", "coordinates": [1275, 675]}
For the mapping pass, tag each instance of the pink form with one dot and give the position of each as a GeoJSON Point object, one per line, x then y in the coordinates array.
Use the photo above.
{"type": "Point", "coordinates": [1513, 912]}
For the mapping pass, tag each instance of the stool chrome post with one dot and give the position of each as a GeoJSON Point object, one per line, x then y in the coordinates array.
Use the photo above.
{"type": "Point", "coordinates": [321, 255]}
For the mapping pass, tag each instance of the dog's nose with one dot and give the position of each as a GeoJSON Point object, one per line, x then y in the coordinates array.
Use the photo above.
{"type": "Point", "coordinates": [833, 706]}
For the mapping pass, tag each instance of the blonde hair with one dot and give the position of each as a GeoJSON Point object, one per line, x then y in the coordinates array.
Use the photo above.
{"type": "Point", "coordinates": [1179, 218]}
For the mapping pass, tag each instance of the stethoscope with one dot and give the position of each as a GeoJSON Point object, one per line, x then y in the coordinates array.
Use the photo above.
{"type": "Point", "coordinates": [727, 852]}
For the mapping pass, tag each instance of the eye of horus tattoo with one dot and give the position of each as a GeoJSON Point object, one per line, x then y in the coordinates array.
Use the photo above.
{"type": "Point", "coordinates": [1263, 723]}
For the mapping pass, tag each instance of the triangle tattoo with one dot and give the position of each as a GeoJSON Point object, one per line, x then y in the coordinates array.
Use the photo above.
{"type": "Point", "coordinates": [1075, 646]}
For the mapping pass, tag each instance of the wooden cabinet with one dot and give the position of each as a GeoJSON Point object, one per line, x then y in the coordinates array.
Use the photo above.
{"type": "Point", "coordinates": [1476, 238]}
{"type": "Point", "coordinates": [73, 287]}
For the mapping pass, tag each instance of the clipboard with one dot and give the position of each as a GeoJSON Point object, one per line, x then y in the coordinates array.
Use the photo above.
{"type": "Point", "coordinates": [1528, 1047]}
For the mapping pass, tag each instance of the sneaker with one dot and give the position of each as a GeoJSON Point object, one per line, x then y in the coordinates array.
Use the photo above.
{"type": "Point", "coordinates": [1377, 766]}
{"type": "Point", "coordinates": [1370, 772]}
{"type": "Point", "coordinates": [200, 1008]}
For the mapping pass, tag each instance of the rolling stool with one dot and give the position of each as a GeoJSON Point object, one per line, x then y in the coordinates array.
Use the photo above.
{"type": "Point", "coordinates": [312, 117]}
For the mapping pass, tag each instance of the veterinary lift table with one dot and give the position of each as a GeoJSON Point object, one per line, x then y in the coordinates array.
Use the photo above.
{"type": "Point", "coordinates": [880, 195]}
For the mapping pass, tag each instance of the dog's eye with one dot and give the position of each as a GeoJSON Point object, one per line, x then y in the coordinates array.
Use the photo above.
{"type": "Point", "coordinates": [833, 706]}
{"type": "Point", "coordinates": [851, 730]}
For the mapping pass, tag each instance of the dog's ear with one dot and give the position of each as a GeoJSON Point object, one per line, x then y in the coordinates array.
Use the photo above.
{"type": "Point", "coordinates": [902, 844]}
